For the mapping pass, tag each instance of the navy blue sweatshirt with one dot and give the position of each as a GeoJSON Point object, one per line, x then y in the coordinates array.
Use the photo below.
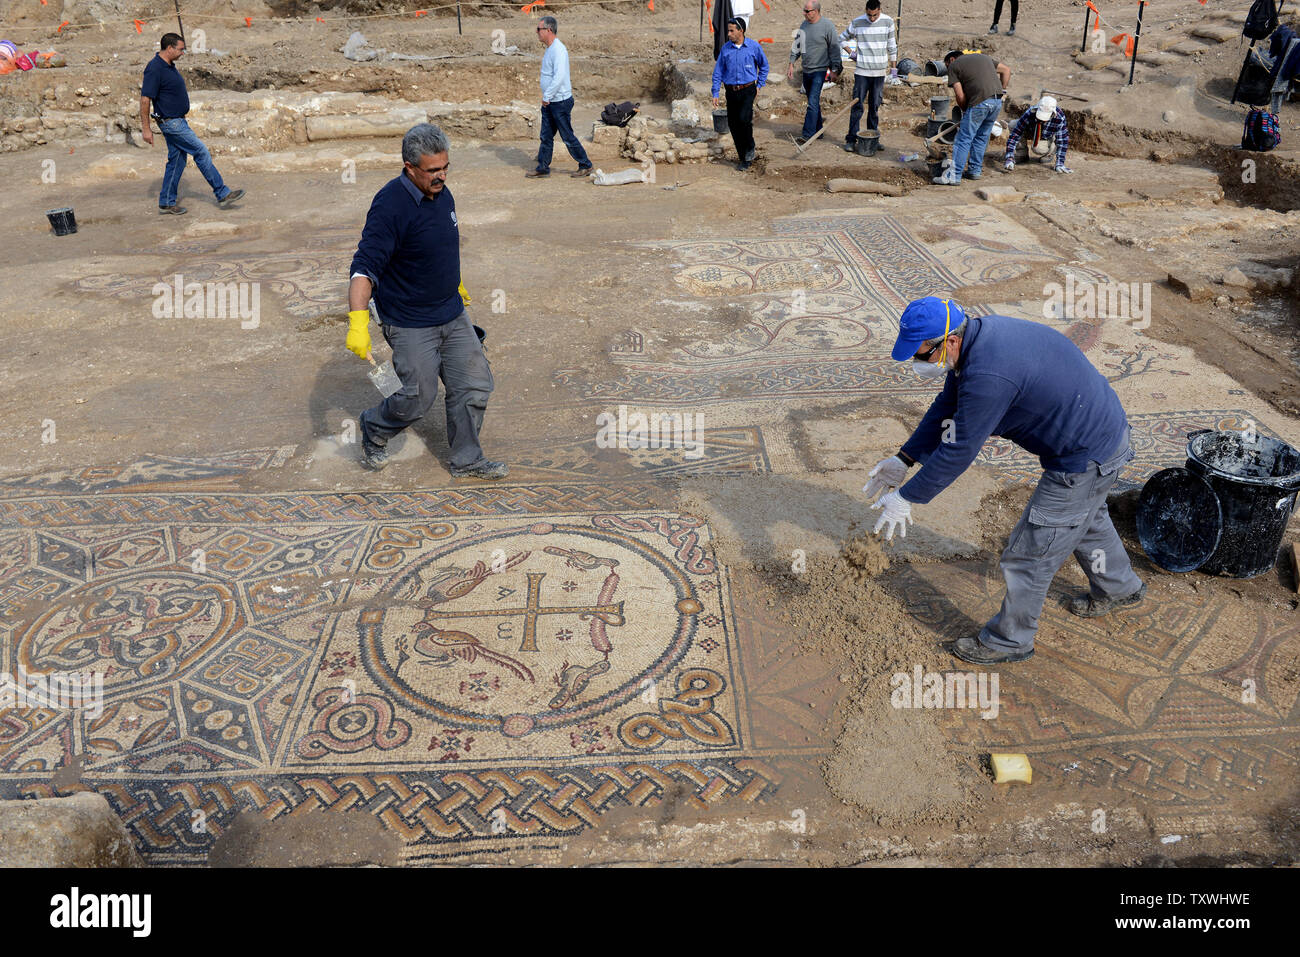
{"type": "Point", "coordinates": [410, 249]}
{"type": "Point", "coordinates": [1023, 381]}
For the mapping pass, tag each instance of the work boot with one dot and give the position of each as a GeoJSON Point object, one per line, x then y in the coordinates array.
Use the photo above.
{"type": "Point", "coordinates": [970, 648]}
{"type": "Point", "coordinates": [993, 29]}
{"type": "Point", "coordinates": [231, 198]}
{"type": "Point", "coordinates": [483, 470]}
{"type": "Point", "coordinates": [1012, 31]}
{"type": "Point", "coordinates": [173, 209]}
{"type": "Point", "coordinates": [1085, 606]}
{"type": "Point", "coordinates": [373, 457]}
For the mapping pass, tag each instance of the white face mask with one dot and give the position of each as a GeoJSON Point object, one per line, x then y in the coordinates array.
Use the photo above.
{"type": "Point", "coordinates": [929, 370]}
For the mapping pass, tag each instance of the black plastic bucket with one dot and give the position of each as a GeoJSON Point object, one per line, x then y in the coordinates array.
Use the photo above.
{"type": "Point", "coordinates": [1233, 502]}
{"type": "Point", "coordinates": [939, 106]}
{"type": "Point", "coordinates": [935, 68]}
{"type": "Point", "coordinates": [867, 144]}
{"type": "Point", "coordinates": [719, 121]}
{"type": "Point", "coordinates": [63, 220]}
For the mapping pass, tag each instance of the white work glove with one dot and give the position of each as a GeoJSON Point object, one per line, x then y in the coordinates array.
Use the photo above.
{"type": "Point", "coordinates": [895, 510]}
{"type": "Point", "coordinates": [888, 475]}
{"type": "Point", "coordinates": [1062, 168]}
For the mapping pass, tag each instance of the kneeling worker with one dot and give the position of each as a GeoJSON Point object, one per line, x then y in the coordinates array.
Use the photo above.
{"type": "Point", "coordinates": [1039, 134]}
{"type": "Point", "coordinates": [1028, 383]}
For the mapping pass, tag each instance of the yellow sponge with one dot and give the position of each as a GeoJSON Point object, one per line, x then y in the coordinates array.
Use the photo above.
{"type": "Point", "coordinates": [1011, 767]}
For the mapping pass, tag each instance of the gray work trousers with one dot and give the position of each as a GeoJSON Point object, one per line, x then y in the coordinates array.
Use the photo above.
{"type": "Point", "coordinates": [1066, 514]}
{"type": "Point", "coordinates": [422, 355]}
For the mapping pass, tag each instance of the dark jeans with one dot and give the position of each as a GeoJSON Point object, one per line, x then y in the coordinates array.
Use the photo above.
{"type": "Point", "coordinates": [556, 118]}
{"type": "Point", "coordinates": [740, 119]}
{"type": "Point", "coordinates": [868, 90]}
{"type": "Point", "coordinates": [422, 355]}
{"type": "Point", "coordinates": [997, 11]}
{"type": "Point", "coordinates": [181, 144]}
{"type": "Point", "coordinates": [812, 118]}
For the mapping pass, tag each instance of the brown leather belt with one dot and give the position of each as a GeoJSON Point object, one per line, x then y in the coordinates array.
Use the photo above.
{"type": "Point", "coordinates": [740, 86]}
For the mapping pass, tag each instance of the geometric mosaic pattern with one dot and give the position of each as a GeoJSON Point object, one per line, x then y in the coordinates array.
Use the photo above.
{"type": "Point", "coordinates": [469, 664]}
{"type": "Point", "coordinates": [1150, 703]}
{"type": "Point", "coordinates": [823, 298]}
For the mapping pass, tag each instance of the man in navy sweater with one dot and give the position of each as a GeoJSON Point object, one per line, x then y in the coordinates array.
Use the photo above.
{"type": "Point", "coordinates": [1026, 382]}
{"type": "Point", "coordinates": [409, 261]}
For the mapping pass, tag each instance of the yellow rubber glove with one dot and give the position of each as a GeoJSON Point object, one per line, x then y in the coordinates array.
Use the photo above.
{"type": "Point", "coordinates": [464, 296]}
{"type": "Point", "coordinates": [359, 332]}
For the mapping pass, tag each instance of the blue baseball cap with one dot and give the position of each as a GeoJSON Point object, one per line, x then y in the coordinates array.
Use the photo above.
{"type": "Point", "coordinates": [923, 320]}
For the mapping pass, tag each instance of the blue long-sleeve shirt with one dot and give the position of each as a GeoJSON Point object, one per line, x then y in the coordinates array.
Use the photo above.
{"type": "Point", "coordinates": [556, 87]}
{"type": "Point", "coordinates": [1054, 127]}
{"type": "Point", "coordinates": [738, 65]}
{"type": "Point", "coordinates": [1023, 381]}
{"type": "Point", "coordinates": [410, 250]}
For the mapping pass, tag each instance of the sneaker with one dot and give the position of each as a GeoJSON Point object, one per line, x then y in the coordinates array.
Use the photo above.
{"type": "Point", "coordinates": [231, 198]}
{"type": "Point", "coordinates": [800, 140]}
{"type": "Point", "coordinates": [741, 167]}
{"type": "Point", "coordinates": [173, 210]}
{"type": "Point", "coordinates": [969, 175]}
{"type": "Point", "coordinates": [994, 29]}
{"type": "Point", "coordinates": [970, 649]}
{"type": "Point", "coordinates": [1085, 606]}
{"type": "Point", "coordinates": [749, 157]}
{"type": "Point", "coordinates": [537, 173]}
{"type": "Point", "coordinates": [849, 147]}
{"type": "Point", "coordinates": [1012, 31]}
{"type": "Point", "coordinates": [582, 172]}
{"type": "Point", "coordinates": [945, 180]}
{"type": "Point", "coordinates": [484, 470]}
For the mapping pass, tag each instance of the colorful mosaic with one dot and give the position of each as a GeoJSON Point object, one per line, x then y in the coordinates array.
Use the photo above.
{"type": "Point", "coordinates": [463, 668]}
{"type": "Point", "coordinates": [823, 299]}
{"type": "Point", "coordinates": [1183, 702]}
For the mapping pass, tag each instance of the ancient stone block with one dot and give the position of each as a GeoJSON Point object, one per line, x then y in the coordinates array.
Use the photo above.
{"type": "Point", "coordinates": [76, 831]}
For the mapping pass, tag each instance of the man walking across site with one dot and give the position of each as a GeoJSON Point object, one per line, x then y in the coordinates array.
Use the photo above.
{"type": "Point", "coordinates": [876, 55]}
{"type": "Point", "coordinates": [1028, 383]}
{"type": "Point", "coordinates": [163, 96]}
{"type": "Point", "coordinates": [557, 103]}
{"type": "Point", "coordinates": [978, 84]}
{"type": "Point", "coordinates": [742, 69]}
{"type": "Point", "coordinates": [816, 42]}
{"type": "Point", "coordinates": [409, 261]}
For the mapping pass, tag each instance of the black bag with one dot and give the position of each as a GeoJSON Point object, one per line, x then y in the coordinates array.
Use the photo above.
{"type": "Point", "coordinates": [1256, 81]}
{"type": "Point", "coordinates": [1261, 20]}
{"type": "Point", "coordinates": [618, 114]}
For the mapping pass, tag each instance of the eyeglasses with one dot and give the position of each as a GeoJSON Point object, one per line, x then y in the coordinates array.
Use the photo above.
{"type": "Point", "coordinates": [925, 356]}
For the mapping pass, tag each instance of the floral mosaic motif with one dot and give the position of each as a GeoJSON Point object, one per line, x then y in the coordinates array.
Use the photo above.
{"type": "Point", "coordinates": [453, 743]}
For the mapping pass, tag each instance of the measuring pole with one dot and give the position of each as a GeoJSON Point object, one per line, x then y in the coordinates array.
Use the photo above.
{"type": "Point", "coordinates": [1087, 19]}
{"type": "Point", "coordinates": [701, 20]}
{"type": "Point", "coordinates": [458, 31]}
{"type": "Point", "coordinates": [898, 23]}
{"type": "Point", "coordinates": [1142, 5]}
{"type": "Point", "coordinates": [180, 27]}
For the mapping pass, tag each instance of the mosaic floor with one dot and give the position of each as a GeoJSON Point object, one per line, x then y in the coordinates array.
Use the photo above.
{"type": "Point", "coordinates": [466, 664]}
{"type": "Point", "coordinates": [484, 668]}
{"type": "Point", "coordinates": [1154, 709]}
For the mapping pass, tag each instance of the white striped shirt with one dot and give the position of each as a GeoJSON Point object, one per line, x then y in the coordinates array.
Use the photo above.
{"type": "Point", "coordinates": [876, 45]}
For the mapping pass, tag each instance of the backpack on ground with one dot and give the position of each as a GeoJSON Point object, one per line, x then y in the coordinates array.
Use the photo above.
{"type": "Point", "coordinates": [1261, 132]}
{"type": "Point", "coordinates": [1261, 20]}
{"type": "Point", "coordinates": [618, 114]}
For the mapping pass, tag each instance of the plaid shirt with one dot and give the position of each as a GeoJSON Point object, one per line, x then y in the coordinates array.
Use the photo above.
{"type": "Point", "coordinates": [1055, 127]}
